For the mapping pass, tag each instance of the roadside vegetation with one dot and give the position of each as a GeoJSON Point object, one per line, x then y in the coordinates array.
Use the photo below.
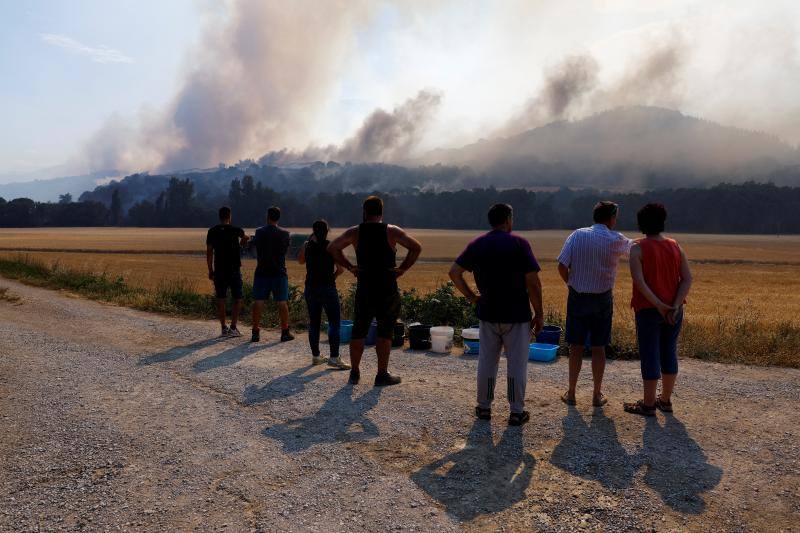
{"type": "Point", "coordinates": [744, 336]}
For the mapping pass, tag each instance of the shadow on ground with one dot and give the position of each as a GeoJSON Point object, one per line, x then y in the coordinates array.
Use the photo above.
{"type": "Point", "coordinates": [342, 418]}
{"type": "Point", "coordinates": [282, 386]}
{"type": "Point", "coordinates": [676, 466]}
{"type": "Point", "coordinates": [483, 477]}
{"type": "Point", "coordinates": [178, 352]}
{"type": "Point", "coordinates": [592, 451]}
{"type": "Point", "coordinates": [230, 356]}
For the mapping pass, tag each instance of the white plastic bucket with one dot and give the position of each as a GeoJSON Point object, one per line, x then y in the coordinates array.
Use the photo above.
{"type": "Point", "coordinates": [442, 339]}
{"type": "Point", "coordinates": [472, 334]}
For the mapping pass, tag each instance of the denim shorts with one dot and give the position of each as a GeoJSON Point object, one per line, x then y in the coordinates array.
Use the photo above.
{"type": "Point", "coordinates": [275, 286]}
{"type": "Point", "coordinates": [658, 343]}
{"type": "Point", "coordinates": [589, 316]}
{"type": "Point", "coordinates": [224, 280]}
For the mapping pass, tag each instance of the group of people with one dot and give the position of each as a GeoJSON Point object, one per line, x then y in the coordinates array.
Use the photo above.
{"type": "Point", "coordinates": [508, 300]}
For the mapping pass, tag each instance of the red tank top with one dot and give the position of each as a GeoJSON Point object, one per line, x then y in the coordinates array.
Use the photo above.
{"type": "Point", "coordinates": [661, 266]}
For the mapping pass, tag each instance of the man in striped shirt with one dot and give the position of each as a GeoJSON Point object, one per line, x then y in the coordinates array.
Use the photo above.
{"type": "Point", "coordinates": [588, 265]}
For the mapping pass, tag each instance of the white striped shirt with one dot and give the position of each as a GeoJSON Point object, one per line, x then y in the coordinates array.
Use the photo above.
{"type": "Point", "coordinates": [592, 255]}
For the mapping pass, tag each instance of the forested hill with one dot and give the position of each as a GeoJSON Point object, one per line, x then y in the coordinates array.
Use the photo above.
{"type": "Point", "coordinates": [726, 208]}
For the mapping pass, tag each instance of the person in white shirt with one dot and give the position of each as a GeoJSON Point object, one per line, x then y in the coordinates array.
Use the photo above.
{"type": "Point", "coordinates": [588, 265]}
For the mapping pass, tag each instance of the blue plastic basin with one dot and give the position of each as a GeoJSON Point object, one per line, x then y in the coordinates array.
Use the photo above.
{"type": "Point", "coordinates": [345, 331]}
{"type": "Point", "coordinates": [471, 347]}
{"type": "Point", "coordinates": [542, 352]}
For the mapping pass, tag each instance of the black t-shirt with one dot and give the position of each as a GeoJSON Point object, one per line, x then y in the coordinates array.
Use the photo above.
{"type": "Point", "coordinates": [320, 267]}
{"type": "Point", "coordinates": [271, 243]}
{"type": "Point", "coordinates": [500, 261]}
{"type": "Point", "coordinates": [224, 239]}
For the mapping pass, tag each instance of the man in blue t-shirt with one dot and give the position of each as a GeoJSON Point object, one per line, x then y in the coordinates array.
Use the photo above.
{"type": "Point", "coordinates": [507, 276]}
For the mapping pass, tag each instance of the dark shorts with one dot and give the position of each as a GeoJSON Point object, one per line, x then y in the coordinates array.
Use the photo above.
{"type": "Point", "coordinates": [381, 304]}
{"type": "Point", "coordinates": [658, 343]}
{"type": "Point", "coordinates": [224, 280]}
{"type": "Point", "coordinates": [589, 316]}
{"type": "Point", "coordinates": [275, 286]}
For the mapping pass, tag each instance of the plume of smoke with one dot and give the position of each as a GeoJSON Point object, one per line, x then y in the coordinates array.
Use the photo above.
{"type": "Point", "coordinates": [256, 80]}
{"type": "Point", "coordinates": [383, 136]}
{"type": "Point", "coordinates": [565, 84]}
{"type": "Point", "coordinates": [386, 136]}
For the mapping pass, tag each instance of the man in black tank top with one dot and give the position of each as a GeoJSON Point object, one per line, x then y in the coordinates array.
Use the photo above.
{"type": "Point", "coordinates": [376, 273]}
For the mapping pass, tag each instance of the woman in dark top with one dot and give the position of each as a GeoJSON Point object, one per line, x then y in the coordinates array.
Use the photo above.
{"type": "Point", "coordinates": [320, 293]}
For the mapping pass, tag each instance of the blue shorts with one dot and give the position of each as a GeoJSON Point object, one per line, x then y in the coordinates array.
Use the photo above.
{"type": "Point", "coordinates": [658, 343]}
{"type": "Point", "coordinates": [223, 280]}
{"type": "Point", "coordinates": [589, 317]}
{"type": "Point", "coordinates": [277, 286]}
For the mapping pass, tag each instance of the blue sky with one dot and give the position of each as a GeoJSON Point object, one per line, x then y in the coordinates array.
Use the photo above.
{"type": "Point", "coordinates": [55, 92]}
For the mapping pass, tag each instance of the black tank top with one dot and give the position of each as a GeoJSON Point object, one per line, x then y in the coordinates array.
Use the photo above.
{"type": "Point", "coordinates": [376, 258]}
{"type": "Point", "coordinates": [320, 267]}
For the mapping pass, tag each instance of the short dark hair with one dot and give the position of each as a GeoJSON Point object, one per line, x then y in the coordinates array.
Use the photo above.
{"type": "Point", "coordinates": [320, 229]}
{"type": "Point", "coordinates": [499, 213]}
{"type": "Point", "coordinates": [274, 214]}
{"type": "Point", "coordinates": [224, 212]}
{"type": "Point", "coordinates": [651, 218]}
{"type": "Point", "coordinates": [604, 211]}
{"type": "Point", "coordinates": [373, 206]}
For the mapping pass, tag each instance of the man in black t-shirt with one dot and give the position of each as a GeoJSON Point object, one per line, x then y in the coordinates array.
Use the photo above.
{"type": "Point", "coordinates": [223, 255]}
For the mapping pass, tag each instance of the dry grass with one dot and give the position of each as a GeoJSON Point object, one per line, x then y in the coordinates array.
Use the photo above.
{"type": "Point", "coordinates": [8, 296]}
{"type": "Point", "coordinates": [744, 305]}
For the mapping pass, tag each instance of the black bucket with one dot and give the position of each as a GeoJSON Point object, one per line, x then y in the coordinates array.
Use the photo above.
{"type": "Point", "coordinates": [419, 337]}
{"type": "Point", "coordinates": [399, 334]}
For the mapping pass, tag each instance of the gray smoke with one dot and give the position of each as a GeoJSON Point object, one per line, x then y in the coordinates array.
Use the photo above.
{"type": "Point", "coordinates": [256, 80]}
{"type": "Point", "coordinates": [386, 136]}
{"type": "Point", "coordinates": [565, 84]}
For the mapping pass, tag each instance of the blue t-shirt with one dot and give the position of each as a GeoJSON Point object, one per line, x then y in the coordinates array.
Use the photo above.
{"type": "Point", "coordinates": [499, 261]}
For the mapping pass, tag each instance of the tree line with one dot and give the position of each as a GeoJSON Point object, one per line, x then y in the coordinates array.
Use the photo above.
{"type": "Point", "coordinates": [725, 208]}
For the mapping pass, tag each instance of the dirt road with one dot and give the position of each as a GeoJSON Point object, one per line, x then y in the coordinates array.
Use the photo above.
{"type": "Point", "coordinates": [117, 419]}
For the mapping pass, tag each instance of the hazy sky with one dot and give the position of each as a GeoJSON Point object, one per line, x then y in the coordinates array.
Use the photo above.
{"type": "Point", "coordinates": [91, 83]}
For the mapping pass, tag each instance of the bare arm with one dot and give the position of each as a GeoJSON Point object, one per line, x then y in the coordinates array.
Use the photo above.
{"type": "Point", "coordinates": [683, 287]}
{"type": "Point", "coordinates": [409, 243]}
{"type": "Point", "coordinates": [563, 271]}
{"type": "Point", "coordinates": [210, 261]}
{"type": "Point", "coordinates": [336, 248]}
{"type": "Point", "coordinates": [457, 275]}
{"type": "Point", "coordinates": [534, 285]}
{"type": "Point", "coordinates": [638, 280]}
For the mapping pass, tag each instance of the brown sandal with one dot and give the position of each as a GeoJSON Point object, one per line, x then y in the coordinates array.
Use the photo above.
{"type": "Point", "coordinates": [665, 407]}
{"type": "Point", "coordinates": [567, 400]}
{"type": "Point", "coordinates": [639, 408]}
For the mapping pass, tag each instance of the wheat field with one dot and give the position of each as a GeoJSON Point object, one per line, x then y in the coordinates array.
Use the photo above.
{"type": "Point", "coordinates": [745, 286]}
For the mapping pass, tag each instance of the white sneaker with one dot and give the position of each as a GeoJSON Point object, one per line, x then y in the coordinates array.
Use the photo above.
{"type": "Point", "coordinates": [317, 360]}
{"type": "Point", "coordinates": [233, 332]}
{"type": "Point", "coordinates": [337, 363]}
{"type": "Point", "coordinates": [225, 332]}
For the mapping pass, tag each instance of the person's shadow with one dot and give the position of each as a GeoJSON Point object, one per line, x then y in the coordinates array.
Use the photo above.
{"type": "Point", "coordinates": [178, 352]}
{"type": "Point", "coordinates": [281, 387]}
{"type": "Point", "coordinates": [676, 466]}
{"type": "Point", "coordinates": [592, 451]}
{"type": "Point", "coordinates": [482, 478]}
{"type": "Point", "coordinates": [230, 356]}
{"type": "Point", "coordinates": [342, 418]}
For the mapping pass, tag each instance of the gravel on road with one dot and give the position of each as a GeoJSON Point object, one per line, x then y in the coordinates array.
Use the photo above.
{"type": "Point", "coordinates": [115, 419]}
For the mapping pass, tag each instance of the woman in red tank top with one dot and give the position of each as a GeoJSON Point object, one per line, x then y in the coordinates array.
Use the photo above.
{"type": "Point", "coordinates": [661, 281]}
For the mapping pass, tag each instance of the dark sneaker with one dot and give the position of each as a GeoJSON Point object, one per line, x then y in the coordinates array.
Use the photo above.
{"type": "Point", "coordinates": [233, 332]}
{"type": "Point", "coordinates": [286, 336]}
{"type": "Point", "coordinates": [355, 376]}
{"type": "Point", "coordinates": [483, 413]}
{"type": "Point", "coordinates": [225, 332]}
{"type": "Point", "coordinates": [517, 419]}
{"type": "Point", "coordinates": [385, 379]}
{"type": "Point", "coordinates": [256, 336]}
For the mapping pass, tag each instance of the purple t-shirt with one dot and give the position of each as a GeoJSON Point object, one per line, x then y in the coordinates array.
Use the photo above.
{"type": "Point", "coordinates": [500, 260]}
